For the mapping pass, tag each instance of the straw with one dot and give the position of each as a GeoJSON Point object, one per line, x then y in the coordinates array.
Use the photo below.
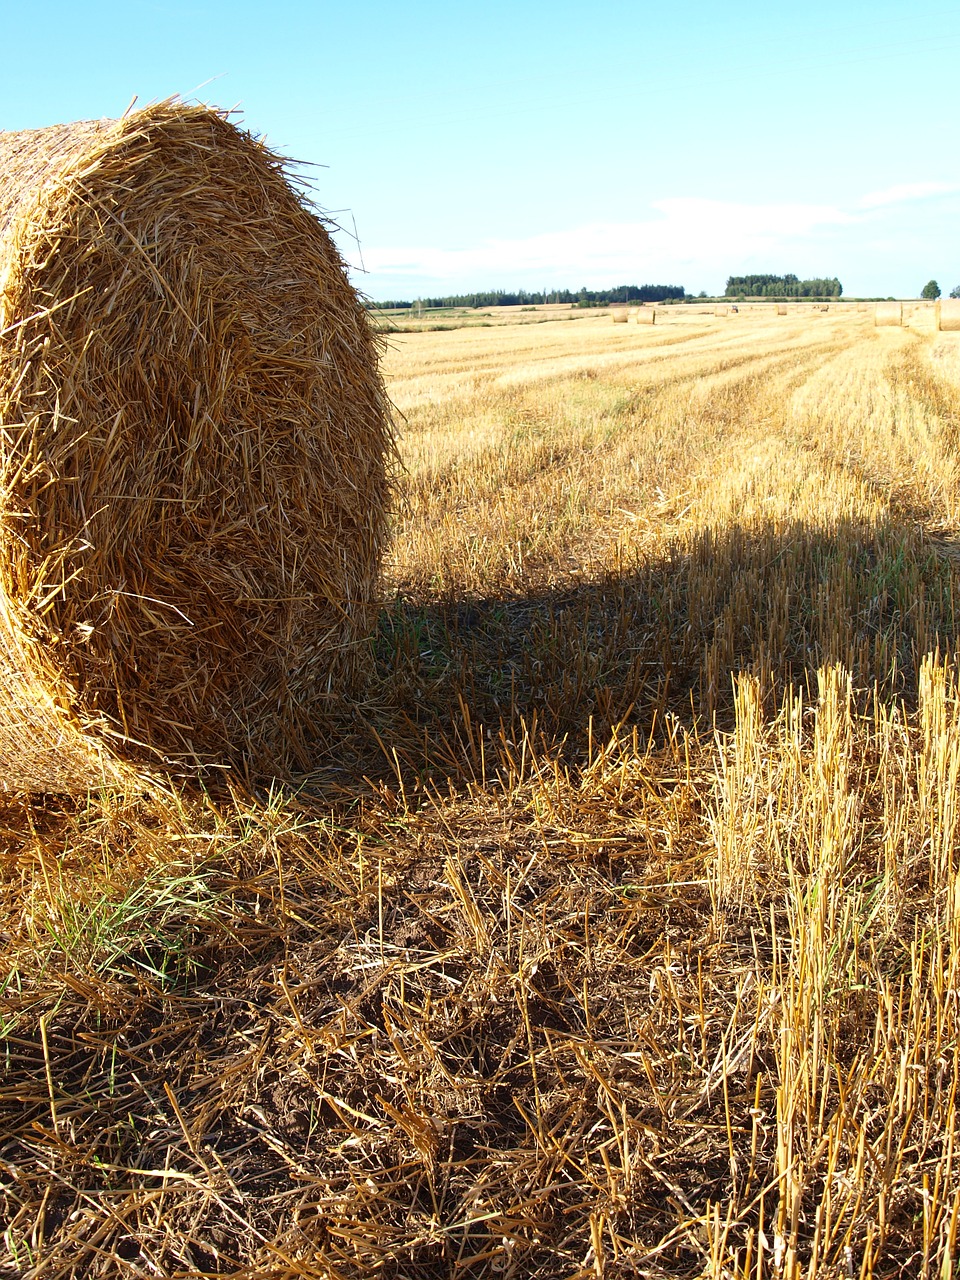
{"type": "Point", "coordinates": [888, 313]}
{"type": "Point", "coordinates": [192, 458]}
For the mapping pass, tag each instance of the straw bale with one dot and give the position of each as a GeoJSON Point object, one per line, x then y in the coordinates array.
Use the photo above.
{"type": "Point", "coordinates": [645, 315]}
{"type": "Point", "coordinates": [721, 311]}
{"type": "Point", "coordinates": [193, 445]}
{"type": "Point", "coordinates": [948, 315]}
{"type": "Point", "coordinates": [781, 308]}
{"type": "Point", "coordinates": [620, 315]}
{"type": "Point", "coordinates": [888, 313]}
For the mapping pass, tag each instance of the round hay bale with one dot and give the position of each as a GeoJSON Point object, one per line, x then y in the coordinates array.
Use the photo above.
{"type": "Point", "coordinates": [781, 308]}
{"type": "Point", "coordinates": [948, 315]}
{"type": "Point", "coordinates": [620, 314]}
{"type": "Point", "coordinates": [721, 311]}
{"type": "Point", "coordinates": [193, 445]}
{"type": "Point", "coordinates": [888, 313]}
{"type": "Point", "coordinates": [645, 315]}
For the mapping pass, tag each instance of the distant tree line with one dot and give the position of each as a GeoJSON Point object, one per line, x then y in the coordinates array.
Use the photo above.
{"type": "Point", "coordinates": [766, 286]}
{"type": "Point", "coordinates": [522, 297]}
{"type": "Point", "coordinates": [632, 293]}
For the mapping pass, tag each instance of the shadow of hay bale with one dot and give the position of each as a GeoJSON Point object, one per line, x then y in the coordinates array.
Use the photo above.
{"type": "Point", "coordinates": [659, 642]}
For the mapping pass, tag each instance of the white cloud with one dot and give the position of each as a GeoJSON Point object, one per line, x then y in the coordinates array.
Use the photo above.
{"type": "Point", "coordinates": [691, 234]}
{"type": "Point", "coordinates": [782, 218]}
{"type": "Point", "coordinates": [904, 191]}
{"type": "Point", "coordinates": [877, 243]}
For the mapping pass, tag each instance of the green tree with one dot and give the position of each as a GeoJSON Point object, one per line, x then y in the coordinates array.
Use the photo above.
{"type": "Point", "coordinates": [930, 290]}
{"type": "Point", "coordinates": [788, 286]}
{"type": "Point", "coordinates": [955, 291]}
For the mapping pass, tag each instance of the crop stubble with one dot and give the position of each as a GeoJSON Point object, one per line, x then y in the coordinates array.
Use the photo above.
{"type": "Point", "coordinates": [638, 953]}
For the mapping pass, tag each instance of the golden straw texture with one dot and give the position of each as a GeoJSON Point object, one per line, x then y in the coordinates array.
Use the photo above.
{"type": "Point", "coordinates": [645, 315]}
{"type": "Point", "coordinates": [620, 315]}
{"type": "Point", "coordinates": [888, 313]}
{"type": "Point", "coordinates": [193, 436]}
{"type": "Point", "coordinates": [948, 315]}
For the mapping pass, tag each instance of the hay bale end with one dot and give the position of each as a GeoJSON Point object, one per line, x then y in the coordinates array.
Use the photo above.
{"type": "Point", "coordinates": [888, 313]}
{"type": "Point", "coordinates": [193, 454]}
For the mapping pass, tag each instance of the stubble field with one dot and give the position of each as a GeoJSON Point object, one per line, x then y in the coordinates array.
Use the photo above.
{"type": "Point", "coordinates": [618, 932]}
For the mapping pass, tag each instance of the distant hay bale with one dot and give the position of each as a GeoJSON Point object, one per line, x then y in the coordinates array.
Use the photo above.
{"type": "Point", "coordinates": [948, 315]}
{"type": "Point", "coordinates": [781, 308]}
{"type": "Point", "coordinates": [620, 315]}
{"type": "Point", "coordinates": [193, 444]}
{"type": "Point", "coordinates": [645, 315]}
{"type": "Point", "coordinates": [888, 313]}
{"type": "Point", "coordinates": [721, 311]}
{"type": "Point", "coordinates": [863, 306]}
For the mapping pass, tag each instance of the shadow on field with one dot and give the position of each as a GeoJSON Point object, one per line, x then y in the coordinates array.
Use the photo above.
{"type": "Point", "coordinates": [333, 1035]}
{"type": "Point", "coordinates": [662, 639]}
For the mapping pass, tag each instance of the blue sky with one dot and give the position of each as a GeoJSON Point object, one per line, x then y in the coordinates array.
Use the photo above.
{"type": "Point", "coordinates": [529, 144]}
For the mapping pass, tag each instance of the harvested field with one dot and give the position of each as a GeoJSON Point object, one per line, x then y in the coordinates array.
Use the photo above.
{"type": "Point", "coordinates": [618, 934]}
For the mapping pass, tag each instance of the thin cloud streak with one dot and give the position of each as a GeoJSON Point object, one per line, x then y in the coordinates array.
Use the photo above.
{"type": "Point", "coordinates": [691, 234]}
{"type": "Point", "coordinates": [906, 191]}
{"type": "Point", "coordinates": [877, 243]}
